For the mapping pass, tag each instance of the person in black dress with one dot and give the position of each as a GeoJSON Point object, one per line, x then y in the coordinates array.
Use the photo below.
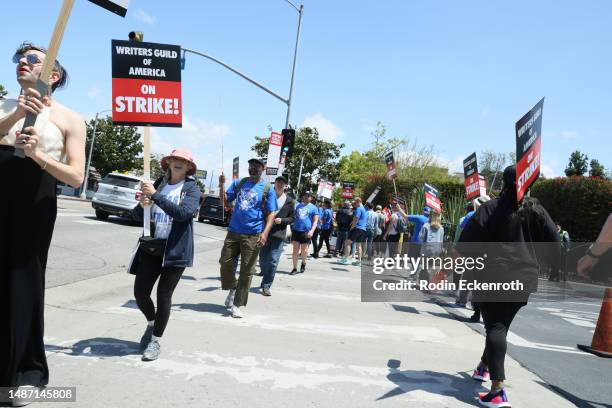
{"type": "Point", "coordinates": [54, 150]}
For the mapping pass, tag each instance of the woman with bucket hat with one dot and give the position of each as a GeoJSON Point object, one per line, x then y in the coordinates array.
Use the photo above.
{"type": "Point", "coordinates": [175, 198]}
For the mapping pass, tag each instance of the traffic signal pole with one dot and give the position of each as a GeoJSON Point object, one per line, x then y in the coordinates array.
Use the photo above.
{"type": "Point", "coordinates": [286, 101]}
{"type": "Point", "coordinates": [297, 43]}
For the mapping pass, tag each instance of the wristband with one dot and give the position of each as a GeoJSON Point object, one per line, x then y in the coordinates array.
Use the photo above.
{"type": "Point", "coordinates": [591, 254]}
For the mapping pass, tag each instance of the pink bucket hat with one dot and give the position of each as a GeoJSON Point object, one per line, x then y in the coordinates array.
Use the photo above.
{"type": "Point", "coordinates": [181, 154]}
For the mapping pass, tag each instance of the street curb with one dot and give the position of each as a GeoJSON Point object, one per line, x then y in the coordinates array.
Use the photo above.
{"type": "Point", "coordinates": [71, 198]}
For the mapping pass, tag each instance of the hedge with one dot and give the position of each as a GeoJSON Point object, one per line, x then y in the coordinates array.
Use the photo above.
{"type": "Point", "coordinates": [580, 204]}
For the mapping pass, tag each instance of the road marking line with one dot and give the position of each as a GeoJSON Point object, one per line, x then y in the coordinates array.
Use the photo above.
{"type": "Point", "coordinates": [519, 341]}
{"type": "Point", "coordinates": [278, 374]}
{"type": "Point", "coordinates": [581, 323]}
{"type": "Point", "coordinates": [369, 331]}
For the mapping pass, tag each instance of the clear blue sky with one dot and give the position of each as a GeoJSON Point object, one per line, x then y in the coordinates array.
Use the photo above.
{"type": "Point", "coordinates": [456, 74]}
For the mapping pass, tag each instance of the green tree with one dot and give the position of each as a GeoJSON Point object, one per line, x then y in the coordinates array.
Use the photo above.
{"type": "Point", "coordinates": [578, 164]}
{"type": "Point", "coordinates": [597, 169]}
{"type": "Point", "coordinates": [491, 164]}
{"type": "Point", "coordinates": [201, 186]}
{"type": "Point", "coordinates": [411, 160]}
{"type": "Point", "coordinates": [155, 164]}
{"type": "Point", "coordinates": [320, 158]}
{"type": "Point", "coordinates": [116, 148]}
{"type": "Point", "coordinates": [3, 91]}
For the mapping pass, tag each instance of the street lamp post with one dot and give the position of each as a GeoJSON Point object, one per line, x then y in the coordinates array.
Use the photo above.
{"type": "Point", "coordinates": [295, 52]}
{"type": "Point", "coordinates": [300, 174]}
{"type": "Point", "coordinates": [93, 139]}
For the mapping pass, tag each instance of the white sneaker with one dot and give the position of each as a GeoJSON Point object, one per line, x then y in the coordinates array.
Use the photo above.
{"type": "Point", "coordinates": [237, 312]}
{"type": "Point", "coordinates": [229, 300]}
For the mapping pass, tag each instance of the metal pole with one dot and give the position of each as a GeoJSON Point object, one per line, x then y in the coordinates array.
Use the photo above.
{"type": "Point", "coordinates": [93, 139]}
{"type": "Point", "coordinates": [300, 176]}
{"type": "Point", "coordinates": [235, 71]}
{"type": "Point", "coordinates": [492, 183]}
{"type": "Point", "coordinates": [297, 42]}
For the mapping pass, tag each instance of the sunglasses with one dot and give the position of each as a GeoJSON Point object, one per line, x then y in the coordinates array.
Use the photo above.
{"type": "Point", "coordinates": [32, 59]}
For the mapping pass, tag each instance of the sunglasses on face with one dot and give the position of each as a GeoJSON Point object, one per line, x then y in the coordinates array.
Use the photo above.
{"type": "Point", "coordinates": [32, 59]}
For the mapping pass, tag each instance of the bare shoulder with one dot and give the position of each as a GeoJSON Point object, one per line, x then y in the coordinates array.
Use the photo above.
{"type": "Point", "coordinates": [70, 122]}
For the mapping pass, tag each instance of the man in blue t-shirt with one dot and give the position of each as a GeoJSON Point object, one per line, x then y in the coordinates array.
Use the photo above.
{"type": "Point", "coordinates": [325, 220]}
{"type": "Point", "coordinates": [302, 230]}
{"type": "Point", "coordinates": [252, 218]}
{"type": "Point", "coordinates": [357, 233]}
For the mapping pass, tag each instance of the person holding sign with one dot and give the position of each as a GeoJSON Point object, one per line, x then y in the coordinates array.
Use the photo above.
{"type": "Point", "coordinates": [55, 151]}
{"type": "Point", "coordinates": [357, 233]}
{"type": "Point", "coordinates": [176, 197]}
{"type": "Point", "coordinates": [251, 222]}
{"type": "Point", "coordinates": [507, 230]}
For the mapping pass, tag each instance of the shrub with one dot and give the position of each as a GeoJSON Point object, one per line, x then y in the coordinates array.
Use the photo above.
{"type": "Point", "coordinates": [580, 204]}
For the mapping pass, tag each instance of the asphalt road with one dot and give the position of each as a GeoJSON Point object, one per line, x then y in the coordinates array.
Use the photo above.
{"type": "Point", "coordinates": [84, 247]}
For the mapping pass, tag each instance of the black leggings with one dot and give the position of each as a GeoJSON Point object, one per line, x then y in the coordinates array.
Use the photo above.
{"type": "Point", "coordinates": [314, 240]}
{"type": "Point", "coordinates": [497, 317]}
{"type": "Point", "coordinates": [324, 237]}
{"type": "Point", "coordinates": [149, 269]}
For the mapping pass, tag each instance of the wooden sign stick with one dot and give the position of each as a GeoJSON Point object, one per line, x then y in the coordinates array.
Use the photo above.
{"type": "Point", "coordinates": [146, 219]}
{"type": "Point", "coordinates": [42, 85]}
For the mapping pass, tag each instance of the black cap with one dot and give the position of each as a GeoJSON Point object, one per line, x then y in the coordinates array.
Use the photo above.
{"type": "Point", "coordinates": [281, 178]}
{"type": "Point", "coordinates": [256, 160]}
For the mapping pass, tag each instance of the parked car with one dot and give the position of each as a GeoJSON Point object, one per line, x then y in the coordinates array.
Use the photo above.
{"type": "Point", "coordinates": [117, 194]}
{"type": "Point", "coordinates": [211, 210]}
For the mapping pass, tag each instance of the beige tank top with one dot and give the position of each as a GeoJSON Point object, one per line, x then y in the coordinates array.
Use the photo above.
{"type": "Point", "coordinates": [51, 141]}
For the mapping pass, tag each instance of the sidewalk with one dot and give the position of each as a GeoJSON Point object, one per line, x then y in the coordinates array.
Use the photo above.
{"type": "Point", "coordinates": [312, 344]}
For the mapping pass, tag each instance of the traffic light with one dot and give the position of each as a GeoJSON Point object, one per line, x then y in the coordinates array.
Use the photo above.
{"type": "Point", "coordinates": [137, 36]}
{"type": "Point", "coordinates": [288, 141]}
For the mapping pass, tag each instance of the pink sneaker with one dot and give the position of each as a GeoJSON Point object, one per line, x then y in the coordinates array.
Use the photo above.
{"type": "Point", "coordinates": [481, 373]}
{"type": "Point", "coordinates": [499, 399]}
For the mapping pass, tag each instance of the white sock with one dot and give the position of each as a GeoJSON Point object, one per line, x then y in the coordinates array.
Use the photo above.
{"type": "Point", "coordinates": [151, 323]}
{"type": "Point", "coordinates": [155, 338]}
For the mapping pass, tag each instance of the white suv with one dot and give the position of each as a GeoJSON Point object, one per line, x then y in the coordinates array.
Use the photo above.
{"type": "Point", "coordinates": [117, 194]}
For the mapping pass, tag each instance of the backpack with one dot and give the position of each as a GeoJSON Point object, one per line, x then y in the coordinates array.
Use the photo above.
{"type": "Point", "coordinates": [264, 197]}
{"type": "Point", "coordinates": [400, 226]}
{"type": "Point", "coordinates": [372, 222]}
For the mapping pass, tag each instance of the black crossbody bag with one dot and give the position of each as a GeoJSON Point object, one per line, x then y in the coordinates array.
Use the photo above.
{"type": "Point", "coordinates": [152, 246]}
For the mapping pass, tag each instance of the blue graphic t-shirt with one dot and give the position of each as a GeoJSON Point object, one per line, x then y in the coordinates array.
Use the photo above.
{"type": "Point", "coordinates": [320, 209]}
{"type": "Point", "coordinates": [304, 216]}
{"type": "Point", "coordinates": [326, 219]}
{"type": "Point", "coordinates": [362, 217]}
{"type": "Point", "coordinates": [163, 222]}
{"type": "Point", "coordinates": [248, 215]}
